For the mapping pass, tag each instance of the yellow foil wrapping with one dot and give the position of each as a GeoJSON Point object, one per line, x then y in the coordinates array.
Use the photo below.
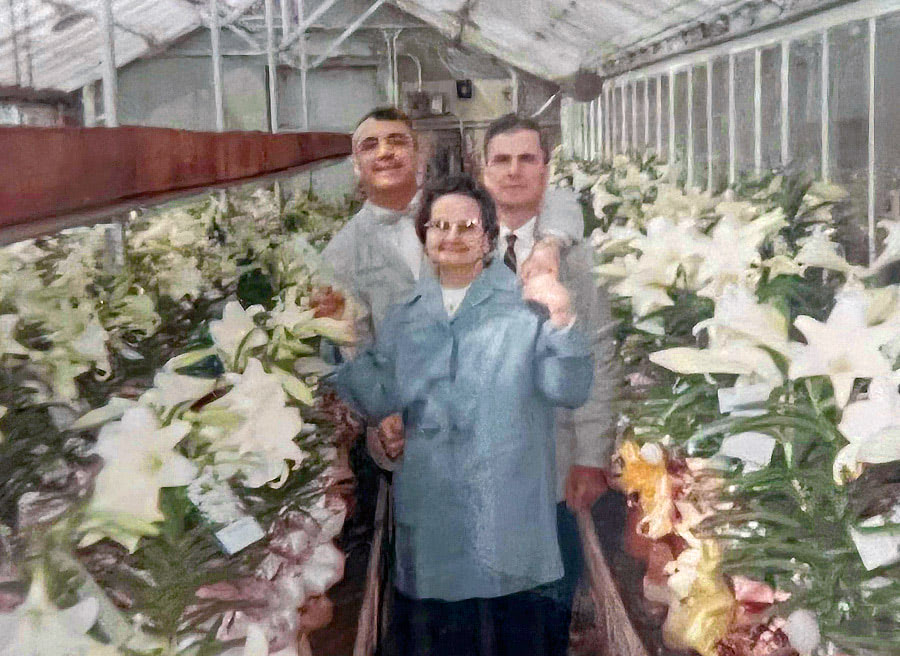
{"type": "Point", "coordinates": [654, 490]}
{"type": "Point", "coordinates": [702, 618]}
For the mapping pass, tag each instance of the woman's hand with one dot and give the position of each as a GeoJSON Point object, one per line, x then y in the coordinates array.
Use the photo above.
{"type": "Point", "coordinates": [547, 290]}
{"type": "Point", "coordinates": [390, 433]}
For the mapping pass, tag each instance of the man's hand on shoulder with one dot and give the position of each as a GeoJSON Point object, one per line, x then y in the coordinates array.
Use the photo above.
{"type": "Point", "coordinates": [584, 485]}
{"type": "Point", "coordinates": [544, 259]}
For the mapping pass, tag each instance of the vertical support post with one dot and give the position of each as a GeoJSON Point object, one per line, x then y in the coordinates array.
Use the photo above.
{"type": "Point", "coordinates": [646, 113]}
{"type": "Point", "coordinates": [785, 102]}
{"type": "Point", "coordinates": [285, 19]}
{"type": "Point", "coordinates": [690, 128]}
{"type": "Point", "coordinates": [610, 120]}
{"type": "Point", "coordinates": [218, 91]}
{"type": "Point", "coordinates": [672, 125]}
{"type": "Point", "coordinates": [826, 109]}
{"type": "Point", "coordinates": [634, 104]}
{"type": "Point", "coordinates": [710, 178]}
{"type": "Point", "coordinates": [592, 135]}
{"type": "Point", "coordinates": [273, 71]}
{"type": "Point", "coordinates": [625, 117]}
{"type": "Point", "coordinates": [110, 91]}
{"type": "Point", "coordinates": [615, 122]}
{"type": "Point", "coordinates": [757, 111]}
{"type": "Point", "coordinates": [13, 32]}
{"type": "Point", "coordinates": [88, 105]}
{"type": "Point", "coordinates": [659, 116]}
{"type": "Point", "coordinates": [873, 22]}
{"type": "Point", "coordinates": [601, 133]}
{"type": "Point", "coordinates": [565, 125]}
{"type": "Point", "coordinates": [732, 125]}
{"type": "Point", "coordinates": [304, 63]}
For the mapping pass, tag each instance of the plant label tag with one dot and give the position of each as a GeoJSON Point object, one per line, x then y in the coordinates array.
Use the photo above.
{"type": "Point", "coordinates": [877, 549]}
{"type": "Point", "coordinates": [239, 535]}
{"type": "Point", "coordinates": [753, 449]}
{"type": "Point", "coordinates": [743, 397]}
{"type": "Point", "coordinates": [223, 511]}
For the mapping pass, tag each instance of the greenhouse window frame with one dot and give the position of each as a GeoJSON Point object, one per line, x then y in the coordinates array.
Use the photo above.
{"type": "Point", "coordinates": [781, 36]}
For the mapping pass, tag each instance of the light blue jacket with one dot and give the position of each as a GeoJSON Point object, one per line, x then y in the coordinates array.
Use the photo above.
{"type": "Point", "coordinates": [474, 497]}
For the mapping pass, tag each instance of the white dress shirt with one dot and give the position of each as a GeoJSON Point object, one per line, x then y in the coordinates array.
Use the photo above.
{"type": "Point", "coordinates": [524, 240]}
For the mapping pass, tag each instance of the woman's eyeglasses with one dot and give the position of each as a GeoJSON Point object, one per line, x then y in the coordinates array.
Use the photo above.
{"type": "Point", "coordinates": [464, 228]}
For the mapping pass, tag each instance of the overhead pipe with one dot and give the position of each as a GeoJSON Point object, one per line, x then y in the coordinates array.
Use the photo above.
{"type": "Point", "coordinates": [514, 81]}
{"type": "Point", "coordinates": [418, 68]}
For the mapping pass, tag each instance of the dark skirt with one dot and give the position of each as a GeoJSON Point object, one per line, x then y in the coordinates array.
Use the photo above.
{"type": "Point", "coordinates": [532, 622]}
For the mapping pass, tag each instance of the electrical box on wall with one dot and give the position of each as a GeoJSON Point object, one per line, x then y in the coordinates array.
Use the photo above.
{"type": "Point", "coordinates": [464, 89]}
{"type": "Point", "coordinates": [418, 103]}
{"type": "Point", "coordinates": [437, 103]}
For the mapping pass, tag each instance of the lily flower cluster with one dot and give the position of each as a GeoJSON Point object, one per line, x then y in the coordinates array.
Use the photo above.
{"type": "Point", "coordinates": [756, 345]}
{"type": "Point", "coordinates": [220, 430]}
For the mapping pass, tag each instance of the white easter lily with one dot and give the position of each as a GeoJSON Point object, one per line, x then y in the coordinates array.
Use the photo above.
{"type": "Point", "coordinates": [91, 344]}
{"type": "Point", "coordinates": [139, 458]}
{"type": "Point", "coordinates": [236, 330]}
{"type": "Point", "coordinates": [738, 209]}
{"type": "Point", "coordinates": [732, 357]}
{"type": "Point", "coordinates": [738, 312]}
{"type": "Point", "coordinates": [782, 265]}
{"type": "Point", "coordinates": [179, 277]}
{"type": "Point", "coordinates": [38, 628]}
{"type": "Point", "coordinates": [114, 409]}
{"type": "Point", "coordinates": [601, 198]}
{"type": "Point", "coordinates": [8, 343]}
{"type": "Point", "coordinates": [264, 439]}
{"type": "Point", "coordinates": [843, 348]}
{"type": "Point", "coordinates": [872, 428]}
{"type": "Point", "coordinates": [667, 249]}
{"type": "Point", "coordinates": [287, 313]}
{"type": "Point", "coordinates": [582, 180]}
{"type": "Point", "coordinates": [891, 248]}
{"type": "Point", "coordinates": [730, 255]}
{"type": "Point", "coordinates": [170, 388]}
{"type": "Point", "coordinates": [615, 240]}
{"type": "Point", "coordinates": [818, 250]}
{"type": "Point", "coordinates": [824, 192]}
{"type": "Point", "coordinates": [643, 280]}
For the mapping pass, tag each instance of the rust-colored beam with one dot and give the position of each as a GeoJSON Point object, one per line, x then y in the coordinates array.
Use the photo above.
{"type": "Point", "coordinates": [47, 174]}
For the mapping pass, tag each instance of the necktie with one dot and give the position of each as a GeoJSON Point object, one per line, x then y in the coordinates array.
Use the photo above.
{"type": "Point", "coordinates": [509, 258]}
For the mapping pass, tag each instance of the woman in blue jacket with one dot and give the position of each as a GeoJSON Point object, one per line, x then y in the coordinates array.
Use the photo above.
{"type": "Point", "coordinates": [475, 372]}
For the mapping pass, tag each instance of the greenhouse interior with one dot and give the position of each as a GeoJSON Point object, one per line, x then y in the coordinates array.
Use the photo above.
{"type": "Point", "coordinates": [449, 327]}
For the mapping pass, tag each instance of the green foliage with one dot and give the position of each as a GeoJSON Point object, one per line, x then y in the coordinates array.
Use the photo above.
{"type": "Point", "coordinates": [255, 288]}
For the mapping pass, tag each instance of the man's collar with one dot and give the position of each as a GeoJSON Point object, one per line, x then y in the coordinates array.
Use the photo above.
{"type": "Point", "coordinates": [525, 230]}
{"type": "Point", "coordinates": [387, 216]}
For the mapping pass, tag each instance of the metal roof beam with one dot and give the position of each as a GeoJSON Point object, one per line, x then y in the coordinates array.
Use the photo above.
{"type": "Point", "coordinates": [450, 26]}
{"type": "Point", "coordinates": [347, 33]}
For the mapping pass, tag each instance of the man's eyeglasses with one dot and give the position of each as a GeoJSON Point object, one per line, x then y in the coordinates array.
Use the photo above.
{"type": "Point", "coordinates": [463, 229]}
{"type": "Point", "coordinates": [369, 145]}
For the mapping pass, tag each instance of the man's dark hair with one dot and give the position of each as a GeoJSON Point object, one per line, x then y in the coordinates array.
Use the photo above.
{"type": "Point", "coordinates": [464, 185]}
{"type": "Point", "coordinates": [387, 113]}
{"type": "Point", "coordinates": [513, 123]}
